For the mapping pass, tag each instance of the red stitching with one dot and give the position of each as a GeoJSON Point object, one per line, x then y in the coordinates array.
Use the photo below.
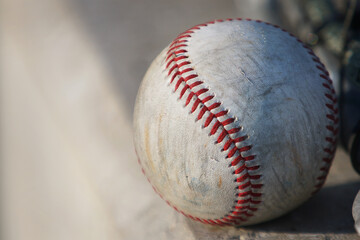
{"type": "Point", "coordinates": [208, 98]}
{"type": "Point", "coordinates": [332, 108]}
{"type": "Point", "coordinates": [183, 36]}
{"type": "Point", "coordinates": [172, 69]}
{"type": "Point", "coordinates": [185, 71]}
{"type": "Point", "coordinates": [331, 97]}
{"type": "Point", "coordinates": [320, 67]}
{"type": "Point", "coordinates": [228, 144]}
{"type": "Point", "coordinates": [173, 62]}
{"type": "Point", "coordinates": [228, 121]}
{"type": "Point", "coordinates": [243, 177]}
{"type": "Point", "coordinates": [201, 91]}
{"type": "Point", "coordinates": [244, 194]}
{"type": "Point", "coordinates": [222, 113]}
{"type": "Point", "coordinates": [240, 202]}
{"type": "Point", "coordinates": [173, 77]}
{"type": "Point", "coordinates": [178, 83]}
{"type": "Point", "coordinates": [208, 119]}
{"type": "Point", "coordinates": [195, 83]}
{"type": "Point", "coordinates": [214, 105]}
{"type": "Point", "coordinates": [190, 77]}
{"type": "Point", "coordinates": [248, 158]}
{"type": "Point", "coordinates": [234, 130]}
{"type": "Point", "coordinates": [245, 185]}
{"type": "Point", "coordinates": [236, 161]}
{"type": "Point", "coordinates": [196, 104]}
{"type": "Point", "coordinates": [177, 42]}
{"type": "Point", "coordinates": [184, 90]}
{"type": "Point", "coordinates": [256, 194]}
{"type": "Point", "coordinates": [179, 58]}
{"type": "Point", "coordinates": [182, 64]}
{"type": "Point", "coordinates": [241, 207]}
{"type": "Point", "coordinates": [232, 152]}
{"type": "Point", "coordinates": [240, 139]}
{"type": "Point", "coordinates": [243, 149]}
{"type": "Point", "coordinates": [176, 52]}
{"type": "Point", "coordinates": [332, 129]}
{"type": "Point", "coordinates": [329, 87]}
{"type": "Point", "coordinates": [325, 169]}
{"type": "Point", "coordinates": [221, 136]}
{"type": "Point", "coordinates": [201, 113]}
{"type": "Point", "coordinates": [331, 140]}
{"type": "Point", "coordinates": [215, 128]}
{"type": "Point", "coordinates": [177, 46]}
{"type": "Point", "coordinates": [179, 51]}
{"type": "Point", "coordinates": [333, 118]}
{"type": "Point", "coordinates": [189, 98]}
{"type": "Point", "coordinates": [330, 151]}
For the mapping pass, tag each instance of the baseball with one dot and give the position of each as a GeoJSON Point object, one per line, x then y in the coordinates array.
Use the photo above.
{"type": "Point", "coordinates": [235, 122]}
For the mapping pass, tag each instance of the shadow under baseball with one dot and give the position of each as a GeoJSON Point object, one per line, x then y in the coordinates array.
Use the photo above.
{"type": "Point", "coordinates": [328, 212]}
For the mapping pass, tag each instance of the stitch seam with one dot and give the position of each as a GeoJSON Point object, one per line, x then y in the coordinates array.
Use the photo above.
{"type": "Point", "coordinates": [212, 112]}
{"type": "Point", "coordinates": [331, 105]}
{"type": "Point", "coordinates": [248, 195]}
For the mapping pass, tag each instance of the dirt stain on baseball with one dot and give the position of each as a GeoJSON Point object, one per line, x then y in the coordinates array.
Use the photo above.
{"type": "Point", "coordinates": [160, 148]}
{"type": "Point", "coordinates": [147, 147]}
{"type": "Point", "coordinates": [220, 182]}
{"type": "Point", "coordinates": [160, 139]}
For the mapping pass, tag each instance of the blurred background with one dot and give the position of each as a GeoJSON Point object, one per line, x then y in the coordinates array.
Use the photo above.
{"type": "Point", "coordinates": [70, 70]}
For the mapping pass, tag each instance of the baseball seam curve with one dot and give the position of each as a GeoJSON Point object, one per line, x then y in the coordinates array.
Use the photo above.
{"type": "Point", "coordinates": [248, 196]}
{"type": "Point", "coordinates": [248, 191]}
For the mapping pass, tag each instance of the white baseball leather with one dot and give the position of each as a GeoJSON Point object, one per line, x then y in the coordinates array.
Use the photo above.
{"type": "Point", "coordinates": [247, 93]}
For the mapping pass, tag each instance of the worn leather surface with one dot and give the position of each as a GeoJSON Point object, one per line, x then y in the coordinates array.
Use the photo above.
{"type": "Point", "coordinates": [271, 86]}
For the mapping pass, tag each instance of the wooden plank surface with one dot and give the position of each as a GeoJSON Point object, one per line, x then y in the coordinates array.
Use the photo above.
{"type": "Point", "coordinates": [70, 71]}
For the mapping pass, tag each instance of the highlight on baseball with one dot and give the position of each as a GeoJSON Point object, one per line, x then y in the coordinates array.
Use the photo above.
{"type": "Point", "coordinates": [235, 122]}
